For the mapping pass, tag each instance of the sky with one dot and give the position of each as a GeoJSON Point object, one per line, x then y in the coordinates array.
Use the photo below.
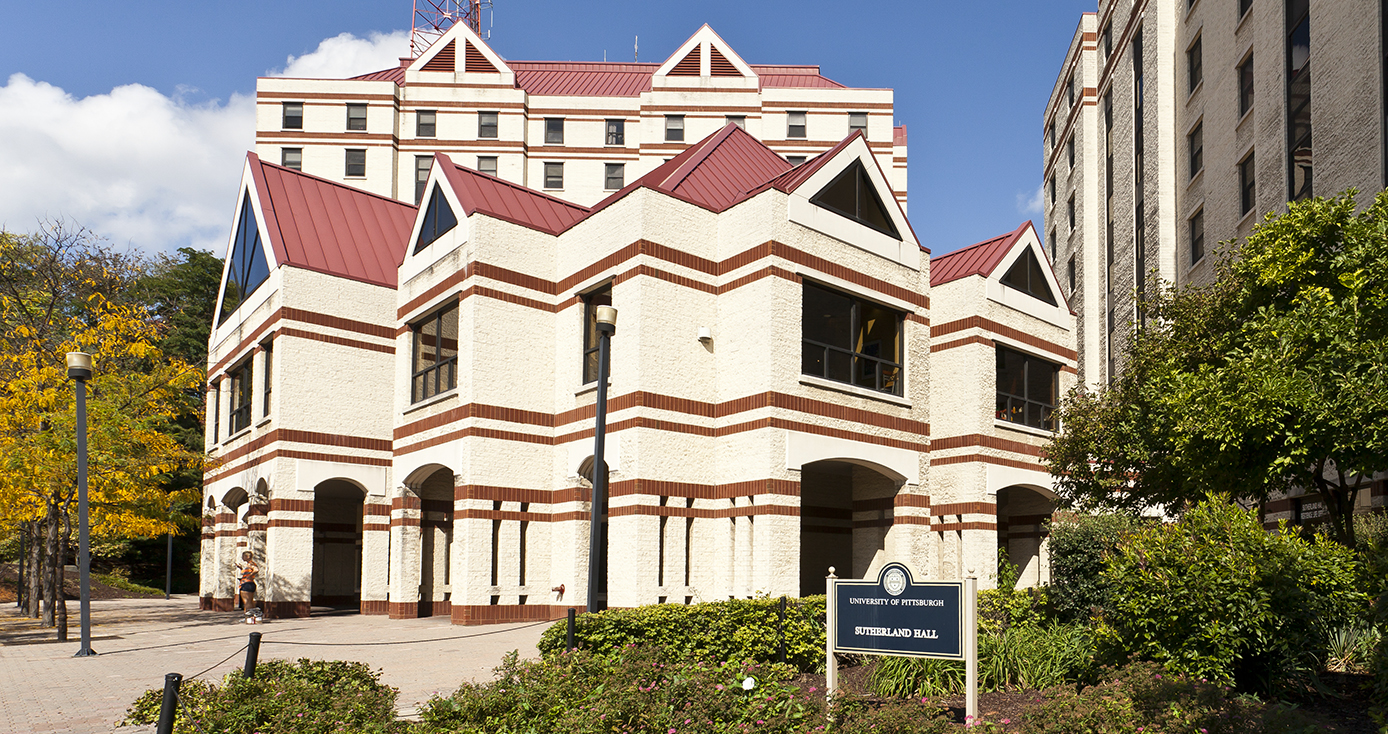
{"type": "Point", "coordinates": [133, 118]}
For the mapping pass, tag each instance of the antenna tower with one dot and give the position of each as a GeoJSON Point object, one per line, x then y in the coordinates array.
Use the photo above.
{"type": "Point", "coordinates": [433, 18]}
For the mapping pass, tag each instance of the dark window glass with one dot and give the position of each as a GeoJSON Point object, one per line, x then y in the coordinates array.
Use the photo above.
{"type": "Point", "coordinates": [1027, 276]}
{"type": "Point", "coordinates": [739, 120]}
{"type": "Point", "coordinates": [554, 130]}
{"type": "Point", "coordinates": [1197, 237]}
{"type": "Point", "coordinates": [1050, 189]}
{"type": "Point", "coordinates": [1244, 7]}
{"type": "Point", "coordinates": [674, 128]}
{"type": "Point", "coordinates": [293, 116]}
{"type": "Point", "coordinates": [1070, 205]}
{"type": "Point", "coordinates": [1194, 67]}
{"type": "Point", "coordinates": [600, 296]}
{"type": "Point", "coordinates": [1070, 273]}
{"type": "Point", "coordinates": [1070, 92]}
{"type": "Point", "coordinates": [1246, 86]}
{"type": "Point", "coordinates": [795, 160]}
{"type": "Point", "coordinates": [486, 124]}
{"type": "Point", "coordinates": [434, 359]}
{"type": "Point", "coordinates": [1108, 40]}
{"type": "Point", "coordinates": [248, 268]}
{"type": "Point", "coordinates": [487, 164]}
{"type": "Point", "coordinates": [1298, 99]}
{"type": "Point", "coordinates": [1071, 151]}
{"type": "Point", "coordinates": [356, 162]}
{"type": "Point", "coordinates": [438, 219]}
{"type": "Point", "coordinates": [269, 349]}
{"type": "Point", "coordinates": [850, 340]}
{"type": "Point", "coordinates": [1247, 186]}
{"type": "Point", "coordinates": [426, 123]}
{"type": "Point", "coordinates": [795, 124]}
{"type": "Point", "coordinates": [356, 117]}
{"type": "Point", "coordinates": [554, 175]}
{"type": "Point", "coordinates": [852, 194]}
{"type": "Point", "coordinates": [1050, 135]}
{"type": "Point", "coordinates": [422, 164]}
{"type": "Point", "coordinates": [292, 158]}
{"type": "Point", "coordinates": [1196, 141]}
{"type": "Point", "coordinates": [857, 122]}
{"type": "Point", "coordinates": [240, 398]}
{"type": "Point", "coordinates": [616, 132]}
{"type": "Point", "coordinates": [614, 175]}
{"type": "Point", "coordinates": [217, 413]}
{"type": "Point", "coordinates": [1027, 389]}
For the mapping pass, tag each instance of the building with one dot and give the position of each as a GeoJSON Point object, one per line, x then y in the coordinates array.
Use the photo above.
{"type": "Point", "coordinates": [1163, 138]}
{"type": "Point", "coordinates": [576, 130]}
{"type": "Point", "coordinates": [417, 439]}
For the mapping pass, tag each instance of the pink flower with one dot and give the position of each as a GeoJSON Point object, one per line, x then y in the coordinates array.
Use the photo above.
{"type": "Point", "coordinates": [672, 731]}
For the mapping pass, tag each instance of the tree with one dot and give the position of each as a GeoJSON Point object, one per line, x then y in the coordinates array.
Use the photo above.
{"type": "Point", "coordinates": [1270, 378]}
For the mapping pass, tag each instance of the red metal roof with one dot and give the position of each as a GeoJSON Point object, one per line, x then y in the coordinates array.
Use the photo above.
{"type": "Point", "coordinates": [331, 228]}
{"type": "Point", "coordinates": [719, 170]}
{"type": "Point", "coordinates": [899, 135]}
{"type": "Point", "coordinates": [478, 192]}
{"type": "Point", "coordinates": [614, 79]}
{"type": "Point", "coordinates": [977, 259]}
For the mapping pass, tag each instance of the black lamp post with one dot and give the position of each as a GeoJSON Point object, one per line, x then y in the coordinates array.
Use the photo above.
{"type": "Point", "coordinates": [79, 368]}
{"type": "Point", "coordinates": [607, 326]}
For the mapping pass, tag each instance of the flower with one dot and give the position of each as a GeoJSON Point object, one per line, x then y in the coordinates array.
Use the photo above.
{"type": "Point", "coordinates": [749, 683]}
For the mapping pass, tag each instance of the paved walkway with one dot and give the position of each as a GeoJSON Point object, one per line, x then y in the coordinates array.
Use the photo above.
{"type": "Point", "coordinates": [44, 689]}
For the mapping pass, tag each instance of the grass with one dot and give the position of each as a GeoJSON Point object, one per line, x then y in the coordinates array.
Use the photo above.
{"type": "Point", "coordinates": [125, 584]}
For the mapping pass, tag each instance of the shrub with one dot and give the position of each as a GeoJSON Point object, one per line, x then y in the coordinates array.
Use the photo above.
{"type": "Point", "coordinates": [1079, 547]}
{"type": "Point", "coordinates": [307, 697]}
{"type": "Point", "coordinates": [1022, 657]}
{"type": "Point", "coordinates": [736, 630]}
{"type": "Point", "coordinates": [1007, 606]}
{"type": "Point", "coordinates": [1145, 697]}
{"type": "Point", "coordinates": [1216, 596]}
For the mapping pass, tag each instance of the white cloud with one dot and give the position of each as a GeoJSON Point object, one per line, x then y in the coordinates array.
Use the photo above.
{"type": "Point", "coordinates": [1031, 203]}
{"type": "Point", "coordinates": [132, 165]}
{"type": "Point", "coordinates": [345, 55]}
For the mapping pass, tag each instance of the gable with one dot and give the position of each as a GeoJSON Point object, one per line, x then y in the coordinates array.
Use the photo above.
{"type": "Point", "coordinates": [246, 267]}
{"type": "Point", "coordinates": [438, 219]}
{"type": "Point", "coordinates": [705, 54]}
{"type": "Point", "coordinates": [1026, 276]}
{"type": "Point", "coordinates": [458, 51]}
{"type": "Point", "coordinates": [852, 194]}
{"type": "Point", "coordinates": [444, 60]}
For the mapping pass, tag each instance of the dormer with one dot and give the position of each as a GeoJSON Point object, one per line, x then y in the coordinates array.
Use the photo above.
{"type": "Point", "coordinates": [460, 56]}
{"type": "Point", "coordinates": [705, 61]}
{"type": "Point", "coordinates": [250, 260]}
{"type": "Point", "coordinates": [1024, 280]}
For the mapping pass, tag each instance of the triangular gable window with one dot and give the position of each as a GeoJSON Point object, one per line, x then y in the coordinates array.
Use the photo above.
{"type": "Point", "coordinates": [443, 60]}
{"type": "Point", "coordinates": [438, 218]}
{"type": "Point", "coordinates": [852, 194]}
{"type": "Point", "coordinates": [688, 66]}
{"type": "Point", "coordinates": [1027, 276]}
{"type": "Point", "coordinates": [248, 267]}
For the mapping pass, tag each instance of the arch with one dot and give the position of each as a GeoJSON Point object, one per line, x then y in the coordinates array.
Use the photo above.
{"type": "Point", "coordinates": [419, 474]}
{"type": "Point", "coordinates": [1023, 513]}
{"type": "Point", "coordinates": [211, 501]}
{"type": "Point", "coordinates": [435, 492]}
{"type": "Point", "coordinates": [338, 506]}
{"type": "Point", "coordinates": [235, 497]}
{"type": "Point", "coordinates": [902, 465]}
{"type": "Point", "coordinates": [845, 514]}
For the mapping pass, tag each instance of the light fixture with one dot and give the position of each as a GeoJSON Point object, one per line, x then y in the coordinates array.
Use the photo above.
{"type": "Point", "coordinates": [79, 366]}
{"type": "Point", "coordinates": [607, 315]}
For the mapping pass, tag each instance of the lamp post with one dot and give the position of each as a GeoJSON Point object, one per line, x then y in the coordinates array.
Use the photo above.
{"type": "Point", "coordinates": [79, 368]}
{"type": "Point", "coordinates": [607, 326]}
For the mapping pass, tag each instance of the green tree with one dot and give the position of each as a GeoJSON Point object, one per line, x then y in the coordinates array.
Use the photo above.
{"type": "Point", "coordinates": [1272, 377]}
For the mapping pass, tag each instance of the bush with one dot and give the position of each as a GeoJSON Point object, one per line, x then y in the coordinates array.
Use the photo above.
{"type": "Point", "coordinates": [1007, 606]}
{"type": "Point", "coordinates": [736, 630]}
{"type": "Point", "coordinates": [307, 697]}
{"type": "Point", "coordinates": [1080, 546]}
{"type": "Point", "coordinates": [1216, 596]}
{"type": "Point", "coordinates": [1022, 657]}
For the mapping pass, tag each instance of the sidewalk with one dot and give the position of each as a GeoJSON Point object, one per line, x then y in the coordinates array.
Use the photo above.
{"type": "Point", "coordinates": [44, 689]}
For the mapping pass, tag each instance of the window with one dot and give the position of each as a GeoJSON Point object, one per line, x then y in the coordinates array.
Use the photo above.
{"type": "Point", "coordinates": [739, 120]}
{"type": "Point", "coordinates": [614, 176]}
{"type": "Point", "coordinates": [1052, 240]}
{"type": "Point", "coordinates": [554, 175]}
{"type": "Point", "coordinates": [1070, 274]}
{"type": "Point", "coordinates": [600, 296]}
{"type": "Point", "coordinates": [616, 132]}
{"type": "Point", "coordinates": [1070, 145]}
{"type": "Point", "coordinates": [356, 117]}
{"type": "Point", "coordinates": [438, 219]}
{"type": "Point", "coordinates": [292, 158]}
{"type": "Point", "coordinates": [434, 359]}
{"type": "Point", "coordinates": [1050, 134]}
{"type": "Point", "coordinates": [857, 122]}
{"type": "Point", "coordinates": [248, 268]}
{"type": "Point", "coordinates": [1246, 85]}
{"type": "Point", "coordinates": [1194, 66]}
{"type": "Point", "coordinates": [1298, 100]}
{"type": "Point", "coordinates": [674, 128]}
{"type": "Point", "coordinates": [1244, 7]}
{"type": "Point", "coordinates": [422, 165]}
{"type": "Point", "coordinates": [1027, 388]}
{"type": "Point", "coordinates": [240, 418]}
{"type": "Point", "coordinates": [852, 195]}
{"type": "Point", "coordinates": [795, 124]}
{"type": "Point", "coordinates": [268, 348]}
{"type": "Point", "coordinates": [486, 124]}
{"type": "Point", "coordinates": [850, 340]}
{"type": "Point", "coordinates": [1108, 39]}
{"type": "Point", "coordinates": [425, 123]}
{"type": "Point", "coordinates": [1196, 143]}
{"type": "Point", "coordinates": [1197, 237]}
{"type": "Point", "coordinates": [1070, 91]}
{"type": "Point", "coordinates": [217, 412]}
{"type": "Point", "coordinates": [554, 131]}
{"type": "Point", "coordinates": [487, 164]}
{"type": "Point", "coordinates": [1050, 188]}
{"type": "Point", "coordinates": [356, 162]}
{"type": "Point", "coordinates": [795, 160]}
{"type": "Point", "coordinates": [1247, 188]}
{"type": "Point", "coordinates": [1026, 276]}
{"type": "Point", "coordinates": [293, 116]}
{"type": "Point", "coordinates": [1071, 207]}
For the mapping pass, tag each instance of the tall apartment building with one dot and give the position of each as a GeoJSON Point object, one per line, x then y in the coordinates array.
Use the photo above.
{"type": "Point", "coordinates": [578, 131]}
{"type": "Point", "coordinates": [1175, 125]}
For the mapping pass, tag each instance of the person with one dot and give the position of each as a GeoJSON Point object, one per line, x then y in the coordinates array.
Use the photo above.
{"type": "Point", "coordinates": [249, 572]}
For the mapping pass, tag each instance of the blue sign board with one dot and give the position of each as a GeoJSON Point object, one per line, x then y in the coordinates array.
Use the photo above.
{"type": "Point", "coordinates": [895, 615]}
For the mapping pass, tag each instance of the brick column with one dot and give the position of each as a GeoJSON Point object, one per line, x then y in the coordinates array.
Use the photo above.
{"type": "Point", "coordinates": [288, 572]}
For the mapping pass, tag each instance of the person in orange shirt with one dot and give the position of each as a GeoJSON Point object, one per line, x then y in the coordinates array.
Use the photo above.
{"type": "Point", "coordinates": [249, 572]}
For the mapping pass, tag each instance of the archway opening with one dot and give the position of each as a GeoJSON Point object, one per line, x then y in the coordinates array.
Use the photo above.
{"type": "Point", "coordinates": [845, 513]}
{"type": "Point", "coordinates": [337, 545]}
{"type": "Point", "coordinates": [436, 543]}
{"type": "Point", "coordinates": [1023, 514]}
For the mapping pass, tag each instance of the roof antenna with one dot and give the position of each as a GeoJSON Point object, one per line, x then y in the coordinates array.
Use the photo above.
{"type": "Point", "coordinates": [433, 18]}
{"type": "Point", "coordinates": [636, 48]}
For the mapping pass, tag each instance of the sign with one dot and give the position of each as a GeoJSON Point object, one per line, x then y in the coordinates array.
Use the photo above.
{"type": "Point", "coordinates": [894, 615]}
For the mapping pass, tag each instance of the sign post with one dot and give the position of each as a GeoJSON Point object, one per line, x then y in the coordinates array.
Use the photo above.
{"type": "Point", "coordinates": [895, 615]}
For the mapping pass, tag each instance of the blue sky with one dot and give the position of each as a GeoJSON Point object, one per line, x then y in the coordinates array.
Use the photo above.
{"type": "Point", "coordinates": [129, 118]}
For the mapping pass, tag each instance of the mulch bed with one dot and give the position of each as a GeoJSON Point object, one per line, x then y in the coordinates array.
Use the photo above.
{"type": "Point", "coordinates": [9, 577]}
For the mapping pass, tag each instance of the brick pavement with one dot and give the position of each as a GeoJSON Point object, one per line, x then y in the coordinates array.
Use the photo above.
{"type": "Point", "coordinates": [44, 689]}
